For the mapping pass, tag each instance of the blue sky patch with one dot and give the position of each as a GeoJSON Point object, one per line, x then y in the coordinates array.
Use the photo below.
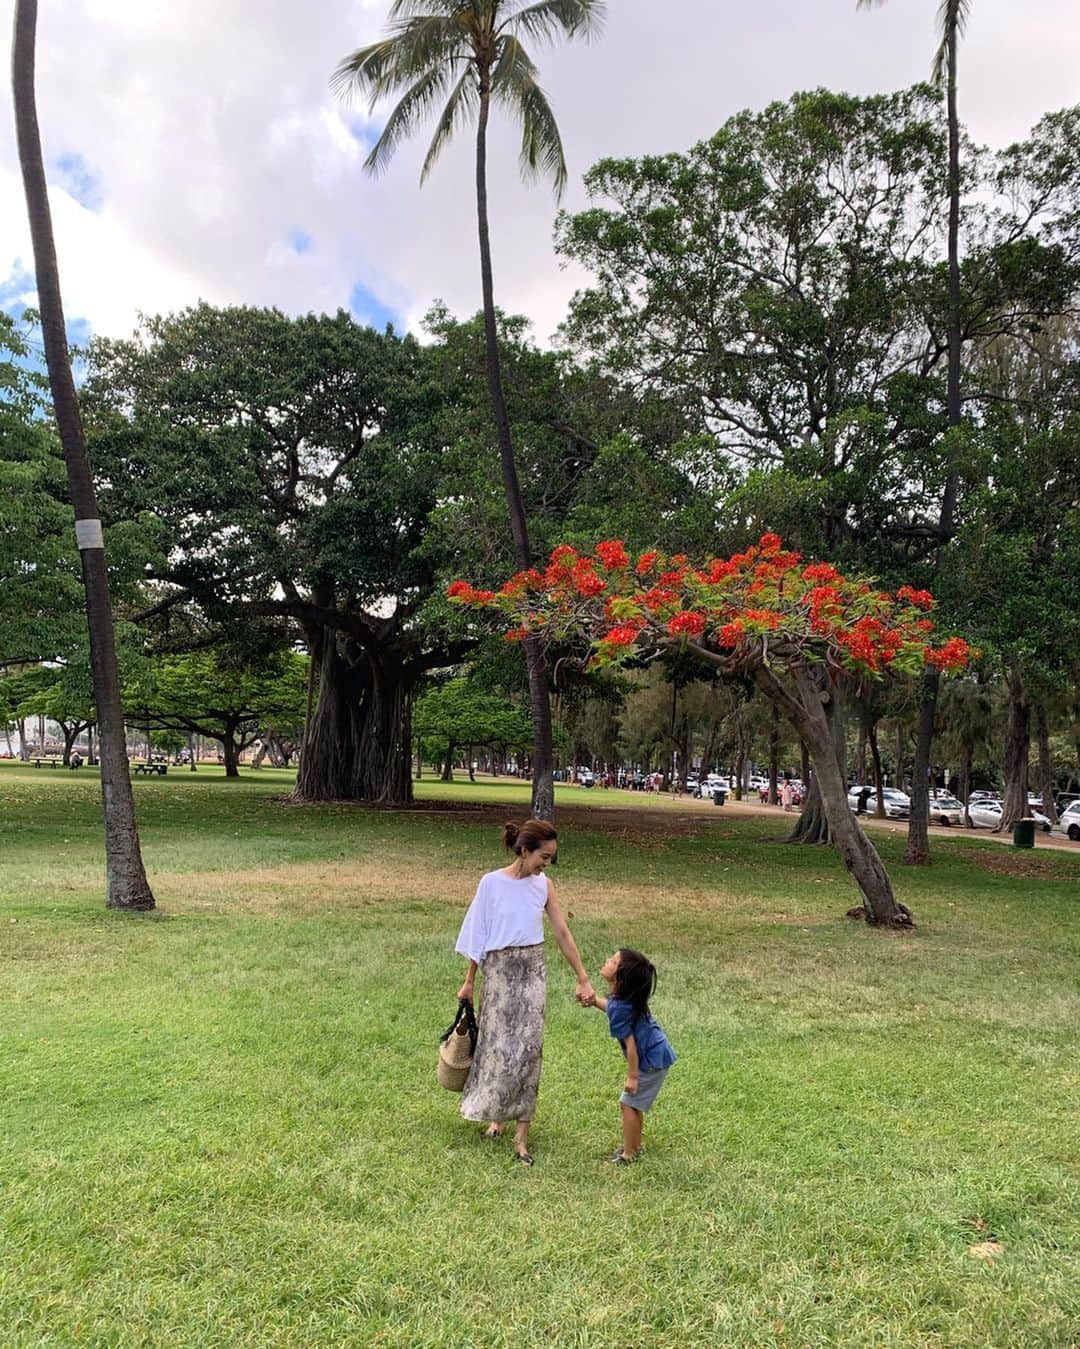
{"type": "Point", "coordinates": [366, 307]}
{"type": "Point", "coordinates": [301, 242]}
{"type": "Point", "coordinates": [367, 133]}
{"type": "Point", "coordinates": [18, 283]}
{"type": "Point", "coordinates": [73, 174]}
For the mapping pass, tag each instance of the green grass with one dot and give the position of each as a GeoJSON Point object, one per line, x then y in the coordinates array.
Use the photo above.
{"type": "Point", "coordinates": [220, 1127]}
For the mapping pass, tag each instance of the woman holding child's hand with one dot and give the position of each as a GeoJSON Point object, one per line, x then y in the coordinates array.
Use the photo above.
{"type": "Point", "coordinates": [503, 937]}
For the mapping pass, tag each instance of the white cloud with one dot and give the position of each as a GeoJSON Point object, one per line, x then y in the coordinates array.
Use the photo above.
{"type": "Point", "coordinates": [217, 142]}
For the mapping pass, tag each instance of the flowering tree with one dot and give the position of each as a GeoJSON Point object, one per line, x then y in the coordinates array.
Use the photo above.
{"type": "Point", "coordinates": [792, 628]}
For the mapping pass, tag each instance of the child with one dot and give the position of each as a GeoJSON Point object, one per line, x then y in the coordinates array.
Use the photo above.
{"type": "Point", "coordinates": [632, 980]}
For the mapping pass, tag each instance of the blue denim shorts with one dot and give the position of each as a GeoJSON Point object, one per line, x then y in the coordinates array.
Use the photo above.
{"type": "Point", "coordinates": [649, 1085]}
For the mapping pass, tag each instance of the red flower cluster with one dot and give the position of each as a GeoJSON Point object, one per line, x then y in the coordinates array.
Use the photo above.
{"type": "Point", "coordinates": [954, 655]}
{"type": "Point", "coordinates": [921, 599]}
{"type": "Point", "coordinates": [687, 623]}
{"type": "Point", "coordinates": [738, 601]}
{"type": "Point", "coordinates": [613, 555]}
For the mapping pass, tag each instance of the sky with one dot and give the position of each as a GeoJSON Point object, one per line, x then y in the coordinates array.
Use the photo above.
{"type": "Point", "coordinates": [195, 151]}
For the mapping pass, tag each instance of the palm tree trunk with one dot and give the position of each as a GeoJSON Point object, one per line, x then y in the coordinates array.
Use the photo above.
{"type": "Point", "coordinates": [918, 843]}
{"type": "Point", "coordinates": [126, 883]}
{"type": "Point", "coordinates": [543, 782]}
{"type": "Point", "coordinates": [1046, 763]}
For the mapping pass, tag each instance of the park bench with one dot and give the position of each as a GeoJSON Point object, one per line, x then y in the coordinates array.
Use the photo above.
{"type": "Point", "coordinates": [159, 768]}
{"type": "Point", "coordinates": [52, 762]}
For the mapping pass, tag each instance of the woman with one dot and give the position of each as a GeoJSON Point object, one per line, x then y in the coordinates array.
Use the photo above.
{"type": "Point", "coordinates": [503, 935]}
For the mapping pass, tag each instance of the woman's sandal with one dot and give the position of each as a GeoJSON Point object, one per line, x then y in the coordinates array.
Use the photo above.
{"type": "Point", "coordinates": [524, 1158]}
{"type": "Point", "coordinates": [492, 1132]}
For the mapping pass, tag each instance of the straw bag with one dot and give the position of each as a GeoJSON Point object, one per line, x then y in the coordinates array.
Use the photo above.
{"type": "Point", "coordinates": [457, 1045]}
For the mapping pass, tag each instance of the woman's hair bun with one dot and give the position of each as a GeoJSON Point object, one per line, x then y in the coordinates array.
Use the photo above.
{"type": "Point", "coordinates": [527, 837]}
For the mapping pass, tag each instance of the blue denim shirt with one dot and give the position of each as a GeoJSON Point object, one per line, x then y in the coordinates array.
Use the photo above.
{"type": "Point", "coordinates": [654, 1050]}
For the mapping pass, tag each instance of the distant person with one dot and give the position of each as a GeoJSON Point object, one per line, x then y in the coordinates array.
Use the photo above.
{"type": "Point", "coordinates": [865, 794]}
{"type": "Point", "coordinates": [787, 794]}
{"type": "Point", "coordinates": [631, 979]}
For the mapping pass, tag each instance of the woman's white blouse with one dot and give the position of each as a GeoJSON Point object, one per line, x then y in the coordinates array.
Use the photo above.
{"type": "Point", "coordinates": [504, 912]}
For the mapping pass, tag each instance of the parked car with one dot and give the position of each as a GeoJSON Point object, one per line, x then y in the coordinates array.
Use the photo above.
{"type": "Point", "coordinates": [976, 797]}
{"type": "Point", "coordinates": [1069, 823]}
{"type": "Point", "coordinates": [945, 809]}
{"type": "Point", "coordinates": [706, 787]}
{"type": "Point", "coordinates": [586, 777]}
{"type": "Point", "coordinates": [987, 815]}
{"type": "Point", "coordinates": [897, 803]}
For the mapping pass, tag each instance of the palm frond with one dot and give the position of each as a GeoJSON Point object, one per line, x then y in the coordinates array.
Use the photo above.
{"type": "Point", "coordinates": [513, 82]}
{"type": "Point", "coordinates": [548, 20]}
{"type": "Point", "coordinates": [870, 4]}
{"type": "Point", "coordinates": [951, 11]}
{"type": "Point", "coordinates": [412, 108]}
{"type": "Point", "coordinates": [461, 102]}
{"type": "Point", "coordinates": [399, 60]}
{"type": "Point", "coordinates": [413, 9]}
{"type": "Point", "coordinates": [364, 70]}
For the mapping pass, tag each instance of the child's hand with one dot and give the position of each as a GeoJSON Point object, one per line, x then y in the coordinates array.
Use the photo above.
{"type": "Point", "coordinates": [589, 1000]}
{"type": "Point", "coordinates": [630, 1085]}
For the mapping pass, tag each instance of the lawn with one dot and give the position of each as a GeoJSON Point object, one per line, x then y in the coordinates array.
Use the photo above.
{"type": "Point", "coordinates": [220, 1125]}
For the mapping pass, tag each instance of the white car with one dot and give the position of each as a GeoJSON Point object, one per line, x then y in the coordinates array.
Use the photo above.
{"type": "Point", "coordinates": [897, 803]}
{"type": "Point", "coordinates": [708, 785]}
{"type": "Point", "coordinates": [987, 815]}
{"type": "Point", "coordinates": [1069, 823]}
{"type": "Point", "coordinates": [945, 809]}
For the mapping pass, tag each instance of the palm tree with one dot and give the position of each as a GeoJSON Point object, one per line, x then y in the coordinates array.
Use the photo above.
{"type": "Point", "coordinates": [126, 884]}
{"type": "Point", "coordinates": [952, 21]}
{"type": "Point", "coordinates": [463, 54]}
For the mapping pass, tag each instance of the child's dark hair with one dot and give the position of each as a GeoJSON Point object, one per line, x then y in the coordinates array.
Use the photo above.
{"type": "Point", "coordinates": [635, 980]}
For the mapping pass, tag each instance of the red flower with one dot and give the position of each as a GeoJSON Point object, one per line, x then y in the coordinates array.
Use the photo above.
{"type": "Point", "coordinates": [720, 570]}
{"type": "Point", "coordinates": [688, 622]}
{"type": "Point", "coordinates": [769, 617]}
{"type": "Point", "coordinates": [612, 555]}
{"type": "Point", "coordinates": [646, 562]}
{"type": "Point", "coordinates": [921, 599]}
{"type": "Point", "coordinates": [821, 572]}
{"type": "Point", "coordinates": [563, 550]}
{"type": "Point", "coordinates": [730, 633]}
{"type": "Point", "coordinates": [770, 544]}
{"type": "Point", "coordinates": [516, 635]}
{"type": "Point", "coordinates": [459, 590]}
{"type": "Point", "coordinates": [659, 597]}
{"type": "Point", "coordinates": [954, 655]}
{"type": "Point", "coordinates": [625, 634]}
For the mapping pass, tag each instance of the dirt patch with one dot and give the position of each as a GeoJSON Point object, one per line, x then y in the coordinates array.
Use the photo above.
{"type": "Point", "coordinates": [363, 882]}
{"type": "Point", "coordinates": [1023, 864]}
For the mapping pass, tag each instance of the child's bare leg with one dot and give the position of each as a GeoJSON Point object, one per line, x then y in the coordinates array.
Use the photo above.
{"type": "Point", "coordinates": [494, 1129]}
{"type": "Point", "coordinates": [521, 1137]}
{"type": "Point", "coordinates": [632, 1121]}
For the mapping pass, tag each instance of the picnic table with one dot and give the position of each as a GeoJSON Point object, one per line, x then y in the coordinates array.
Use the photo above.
{"type": "Point", "coordinates": [149, 768]}
{"type": "Point", "coordinates": [49, 759]}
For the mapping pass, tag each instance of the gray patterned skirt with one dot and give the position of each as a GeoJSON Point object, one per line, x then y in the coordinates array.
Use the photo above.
{"type": "Point", "coordinates": [505, 1073]}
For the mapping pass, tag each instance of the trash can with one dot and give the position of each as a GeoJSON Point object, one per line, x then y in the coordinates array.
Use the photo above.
{"type": "Point", "coordinates": [719, 796]}
{"type": "Point", "coordinates": [1024, 834]}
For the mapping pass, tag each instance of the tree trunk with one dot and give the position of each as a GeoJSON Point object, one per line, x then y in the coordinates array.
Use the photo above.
{"type": "Point", "coordinates": [69, 733]}
{"type": "Point", "coordinates": [260, 754]}
{"type": "Point", "coordinates": [359, 738]}
{"type": "Point", "coordinates": [24, 748]}
{"type": "Point", "coordinates": [1046, 765]}
{"type": "Point", "coordinates": [191, 753]}
{"type": "Point", "coordinates": [90, 743]}
{"type": "Point", "coordinates": [918, 836]}
{"type": "Point", "coordinates": [965, 781]}
{"type": "Point", "coordinates": [875, 759]}
{"type": "Point", "coordinates": [812, 826]}
{"type": "Point", "coordinates": [543, 783]}
{"type": "Point", "coordinates": [126, 883]}
{"type": "Point", "coordinates": [802, 700]}
{"type": "Point", "coordinates": [231, 752]}
{"type": "Point", "coordinates": [1017, 750]}
{"type": "Point", "coordinates": [774, 754]}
